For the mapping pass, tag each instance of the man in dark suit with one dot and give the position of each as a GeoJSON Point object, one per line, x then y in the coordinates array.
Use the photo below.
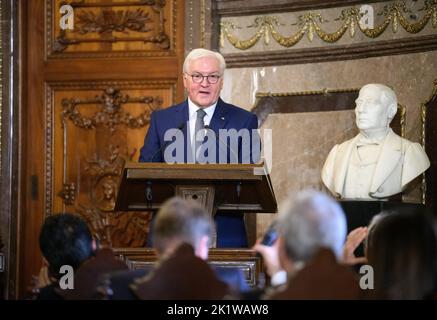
{"type": "Point", "coordinates": [183, 133]}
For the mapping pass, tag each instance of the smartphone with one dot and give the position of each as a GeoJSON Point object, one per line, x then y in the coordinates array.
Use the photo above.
{"type": "Point", "coordinates": [271, 235]}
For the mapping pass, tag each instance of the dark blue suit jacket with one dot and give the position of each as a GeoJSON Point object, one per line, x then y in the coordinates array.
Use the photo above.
{"type": "Point", "coordinates": [231, 230]}
{"type": "Point", "coordinates": [226, 116]}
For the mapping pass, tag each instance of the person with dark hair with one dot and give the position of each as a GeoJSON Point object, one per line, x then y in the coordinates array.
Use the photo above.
{"type": "Point", "coordinates": [402, 249]}
{"type": "Point", "coordinates": [65, 239]}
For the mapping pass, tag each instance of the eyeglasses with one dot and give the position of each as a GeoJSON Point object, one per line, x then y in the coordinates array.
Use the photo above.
{"type": "Point", "coordinates": [198, 78]}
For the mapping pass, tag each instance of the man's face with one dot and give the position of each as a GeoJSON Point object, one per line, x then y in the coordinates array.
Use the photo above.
{"type": "Point", "coordinates": [371, 112]}
{"type": "Point", "coordinates": [203, 94]}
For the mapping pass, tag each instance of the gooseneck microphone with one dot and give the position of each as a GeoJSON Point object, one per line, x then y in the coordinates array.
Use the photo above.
{"type": "Point", "coordinates": [150, 159]}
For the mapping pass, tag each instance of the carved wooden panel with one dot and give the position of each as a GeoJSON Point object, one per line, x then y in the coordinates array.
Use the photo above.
{"type": "Point", "coordinates": [112, 28]}
{"type": "Point", "coordinates": [84, 110]}
{"type": "Point", "coordinates": [244, 259]}
{"type": "Point", "coordinates": [92, 129]}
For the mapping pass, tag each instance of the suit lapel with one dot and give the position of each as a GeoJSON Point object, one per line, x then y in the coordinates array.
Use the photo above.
{"type": "Point", "coordinates": [220, 116]}
{"type": "Point", "coordinates": [182, 119]}
{"type": "Point", "coordinates": [388, 160]}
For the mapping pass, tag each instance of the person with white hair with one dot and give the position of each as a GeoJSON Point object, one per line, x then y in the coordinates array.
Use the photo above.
{"type": "Point", "coordinates": [193, 125]}
{"type": "Point", "coordinates": [308, 252]}
{"type": "Point", "coordinates": [377, 163]}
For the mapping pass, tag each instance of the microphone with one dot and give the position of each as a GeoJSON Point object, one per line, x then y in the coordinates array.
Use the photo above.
{"type": "Point", "coordinates": [207, 127]}
{"type": "Point", "coordinates": [181, 127]}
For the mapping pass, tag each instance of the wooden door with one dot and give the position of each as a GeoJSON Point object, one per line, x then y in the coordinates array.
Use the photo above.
{"type": "Point", "coordinates": [87, 95]}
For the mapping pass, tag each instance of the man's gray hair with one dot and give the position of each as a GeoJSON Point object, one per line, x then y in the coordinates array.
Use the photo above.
{"type": "Point", "coordinates": [182, 221]}
{"type": "Point", "coordinates": [202, 53]}
{"type": "Point", "coordinates": [312, 220]}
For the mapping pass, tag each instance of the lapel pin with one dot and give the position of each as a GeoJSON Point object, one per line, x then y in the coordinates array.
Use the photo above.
{"type": "Point", "coordinates": [223, 118]}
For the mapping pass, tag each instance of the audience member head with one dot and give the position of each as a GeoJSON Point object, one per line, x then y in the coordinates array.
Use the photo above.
{"type": "Point", "coordinates": [371, 227]}
{"type": "Point", "coordinates": [312, 221]}
{"type": "Point", "coordinates": [182, 221]}
{"type": "Point", "coordinates": [402, 249]}
{"type": "Point", "coordinates": [65, 239]}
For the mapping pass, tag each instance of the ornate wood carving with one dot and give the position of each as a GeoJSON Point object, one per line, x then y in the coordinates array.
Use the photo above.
{"type": "Point", "coordinates": [105, 28]}
{"type": "Point", "coordinates": [205, 196]}
{"type": "Point", "coordinates": [90, 174]}
{"type": "Point", "coordinates": [111, 114]}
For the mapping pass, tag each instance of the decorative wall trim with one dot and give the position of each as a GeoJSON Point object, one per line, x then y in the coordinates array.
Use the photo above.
{"type": "Point", "coordinates": [166, 43]}
{"type": "Point", "coordinates": [339, 52]}
{"type": "Point", "coordinates": [202, 23]}
{"type": "Point", "coordinates": [315, 101]}
{"type": "Point", "coordinates": [254, 7]}
{"type": "Point", "coordinates": [9, 150]}
{"type": "Point", "coordinates": [310, 24]}
{"type": "Point", "coordinates": [198, 24]}
{"type": "Point", "coordinates": [428, 117]}
{"type": "Point", "coordinates": [1, 82]}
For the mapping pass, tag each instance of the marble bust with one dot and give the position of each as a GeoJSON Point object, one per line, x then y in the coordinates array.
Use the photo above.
{"type": "Point", "coordinates": [377, 163]}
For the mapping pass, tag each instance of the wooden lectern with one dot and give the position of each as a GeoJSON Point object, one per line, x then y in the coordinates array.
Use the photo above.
{"type": "Point", "coordinates": [218, 187]}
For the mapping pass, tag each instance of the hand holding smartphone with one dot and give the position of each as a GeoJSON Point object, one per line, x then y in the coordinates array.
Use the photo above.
{"type": "Point", "coordinates": [271, 235]}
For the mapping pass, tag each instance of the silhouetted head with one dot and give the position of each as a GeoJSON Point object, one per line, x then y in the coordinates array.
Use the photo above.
{"type": "Point", "coordinates": [65, 239]}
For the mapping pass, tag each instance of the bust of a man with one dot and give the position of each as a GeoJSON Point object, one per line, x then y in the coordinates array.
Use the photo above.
{"type": "Point", "coordinates": [377, 163]}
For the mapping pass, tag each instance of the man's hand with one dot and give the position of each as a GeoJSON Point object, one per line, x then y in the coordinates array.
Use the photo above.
{"type": "Point", "coordinates": [270, 255]}
{"type": "Point", "coordinates": [353, 240]}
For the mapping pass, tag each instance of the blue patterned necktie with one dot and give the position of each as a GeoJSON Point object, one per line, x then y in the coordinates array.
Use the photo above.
{"type": "Point", "coordinates": [200, 125]}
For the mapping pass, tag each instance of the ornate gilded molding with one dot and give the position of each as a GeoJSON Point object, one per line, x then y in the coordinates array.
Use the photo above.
{"type": "Point", "coordinates": [310, 24]}
{"type": "Point", "coordinates": [112, 113]}
{"type": "Point", "coordinates": [423, 116]}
